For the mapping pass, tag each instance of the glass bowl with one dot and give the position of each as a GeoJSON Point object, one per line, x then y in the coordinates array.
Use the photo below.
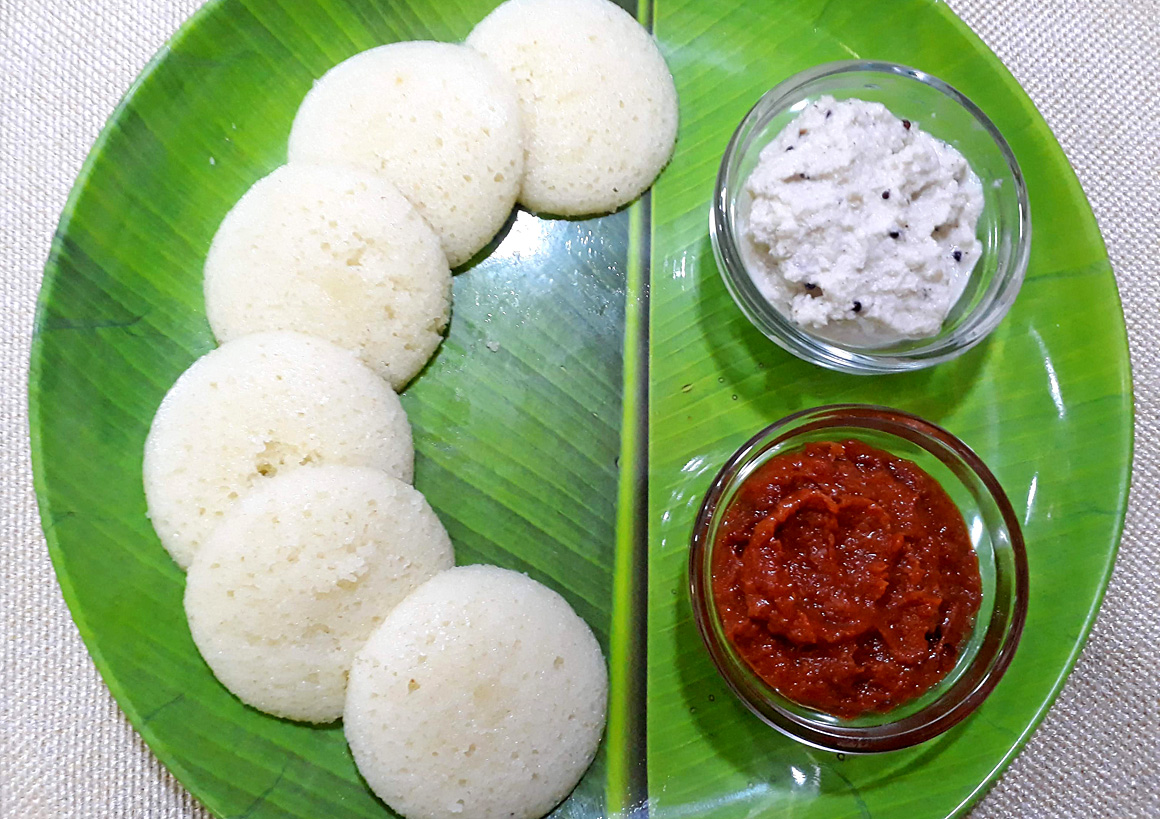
{"type": "Point", "coordinates": [994, 533]}
{"type": "Point", "coordinates": [1004, 228]}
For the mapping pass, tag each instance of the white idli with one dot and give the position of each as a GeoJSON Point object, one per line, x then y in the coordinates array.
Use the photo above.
{"type": "Point", "coordinates": [296, 577]}
{"type": "Point", "coordinates": [482, 694]}
{"type": "Point", "coordinates": [599, 106]}
{"type": "Point", "coordinates": [335, 253]}
{"type": "Point", "coordinates": [437, 120]}
{"type": "Point", "coordinates": [257, 407]}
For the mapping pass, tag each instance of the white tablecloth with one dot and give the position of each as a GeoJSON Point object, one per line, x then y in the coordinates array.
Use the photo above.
{"type": "Point", "coordinates": [1090, 65]}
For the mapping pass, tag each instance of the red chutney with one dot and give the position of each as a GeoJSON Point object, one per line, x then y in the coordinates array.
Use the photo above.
{"type": "Point", "coordinates": [845, 578]}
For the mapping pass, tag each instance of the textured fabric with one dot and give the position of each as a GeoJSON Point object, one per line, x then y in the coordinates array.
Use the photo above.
{"type": "Point", "coordinates": [67, 751]}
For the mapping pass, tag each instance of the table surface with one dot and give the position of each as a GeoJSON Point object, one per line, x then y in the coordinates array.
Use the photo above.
{"type": "Point", "coordinates": [67, 751]}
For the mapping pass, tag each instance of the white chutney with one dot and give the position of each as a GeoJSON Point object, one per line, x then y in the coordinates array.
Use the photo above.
{"type": "Point", "coordinates": [861, 227]}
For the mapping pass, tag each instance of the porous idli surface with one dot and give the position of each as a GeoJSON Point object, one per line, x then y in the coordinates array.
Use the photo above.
{"type": "Point", "coordinates": [256, 408]}
{"type": "Point", "coordinates": [482, 694]}
{"type": "Point", "coordinates": [335, 253]}
{"type": "Point", "coordinates": [296, 577]}
{"type": "Point", "coordinates": [434, 118]}
{"type": "Point", "coordinates": [598, 102]}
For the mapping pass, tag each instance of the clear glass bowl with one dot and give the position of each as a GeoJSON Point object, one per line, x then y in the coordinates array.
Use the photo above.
{"type": "Point", "coordinates": [994, 532]}
{"type": "Point", "coordinates": [1004, 228]}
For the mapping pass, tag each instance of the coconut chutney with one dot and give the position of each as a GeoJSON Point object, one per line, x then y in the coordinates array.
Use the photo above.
{"type": "Point", "coordinates": [860, 225]}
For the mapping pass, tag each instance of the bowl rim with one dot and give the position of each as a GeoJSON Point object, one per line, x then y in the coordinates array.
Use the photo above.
{"type": "Point", "coordinates": [914, 728]}
{"type": "Point", "coordinates": [825, 352]}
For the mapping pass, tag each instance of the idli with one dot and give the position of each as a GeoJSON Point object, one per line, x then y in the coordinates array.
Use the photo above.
{"type": "Point", "coordinates": [335, 253]}
{"type": "Point", "coordinates": [297, 576]}
{"type": "Point", "coordinates": [437, 120]}
{"type": "Point", "coordinates": [482, 694]}
{"type": "Point", "coordinates": [255, 408]}
{"type": "Point", "coordinates": [598, 103]}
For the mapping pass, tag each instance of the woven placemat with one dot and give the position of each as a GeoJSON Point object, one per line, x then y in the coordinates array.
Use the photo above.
{"type": "Point", "coordinates": [1090, 66]}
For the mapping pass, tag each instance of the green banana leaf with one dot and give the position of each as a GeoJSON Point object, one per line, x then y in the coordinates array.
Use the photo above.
{"type": "Point", "coordinates": [595, 376]}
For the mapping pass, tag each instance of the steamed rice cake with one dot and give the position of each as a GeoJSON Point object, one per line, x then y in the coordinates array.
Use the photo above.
{"type": "Point", "coordinates": [599, 105]}
{"type": "Point", "coordinates": [255, 408]}
{"type": "Point", "coordinates": [482, 694]}
{"type": "Point", "coordinates": [335, 253]}
{"type": "Point", "coordinates": [436, 120]}
{"type": "Point", "coordinates": [297, 576]}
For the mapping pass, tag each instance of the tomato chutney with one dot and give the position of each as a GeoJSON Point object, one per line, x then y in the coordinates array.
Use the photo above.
{"type": "Point", "coordinates": [845, 578]}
